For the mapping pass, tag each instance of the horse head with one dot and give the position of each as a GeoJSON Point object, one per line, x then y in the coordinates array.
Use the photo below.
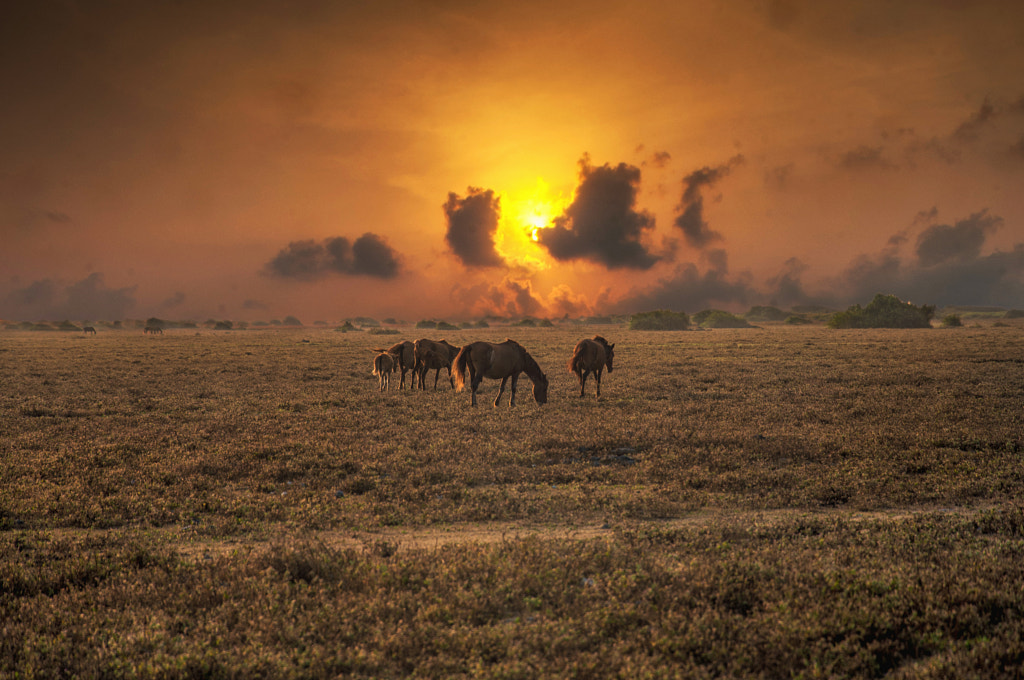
{"type": "Point", "coordinates": [540, 389]}
{"type": "Point", "coordinates": [609, 354]}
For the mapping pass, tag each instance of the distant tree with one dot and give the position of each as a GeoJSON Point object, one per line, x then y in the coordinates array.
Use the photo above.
{"type": "Point", "coordinates": [67, 326]}
{"type": "Point", "coordinates": [154, 322]}
{"type": "Point", "coordinates": [526, 323]}
{"type": "Point", "coordinates": [445, 326]}
{"type": "Point", "coordinates": [660, 320]}
{"type": "Point", "coordinates": [482, 323]}
{"type": "Point", "coordinates": [719, 319]}
{"type": "Point", "coordinates": [222, 326]}
{"type": "Point", "coordinates": [798, 320]}
{"type": "Point", "coordinates": [952, 321]}
{"type": "Point", "coordinates": [765, 314]}
{"type": "Point", "coordinates": [426, 323]}
{"type": "Point", "coordinates": [291, 321]}
{"type": "Point", "coordinates": [885, 311]}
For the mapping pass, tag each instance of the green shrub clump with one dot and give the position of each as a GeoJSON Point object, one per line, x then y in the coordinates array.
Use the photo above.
{"type": "Point", "coordinates": [660, 320]}
{"type": "Point", "coordinates": [445, 326]}
{"type": "Point", "coordinates": [885, 311]}
{"type": "Point", "coordinates": [952, 321]}
{"type": "Point", "coordinates": [716, 318]}
{"type": "Point", "coordinates": [426, 323]}
{"type": "Point", "coordinates": [765, 314]}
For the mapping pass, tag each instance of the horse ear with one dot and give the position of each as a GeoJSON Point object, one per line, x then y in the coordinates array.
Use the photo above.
{"type": "Point", "coordinates": [611, 346]}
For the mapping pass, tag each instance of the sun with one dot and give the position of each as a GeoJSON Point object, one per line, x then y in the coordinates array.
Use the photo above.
{"type": "Point", "coordinates": [523, 215]}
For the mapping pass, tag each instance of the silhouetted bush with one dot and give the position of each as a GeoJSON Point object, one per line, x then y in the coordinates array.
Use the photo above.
{"type": "Point", "coordinates": [885, 311]}
{"type": "Point", "coordinates": [659, 320]}
{"type": "Point", "coordinates": [952, 321]}
{"type": "Point", "coordinates": [716, 318]}
{"type": "Point", "coordinates": [765, 314]}
{"type": "Point", "coordinates": [425, 323]}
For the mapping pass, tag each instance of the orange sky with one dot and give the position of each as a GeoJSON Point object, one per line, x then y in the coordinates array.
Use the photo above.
{"type": "Point", "coordinates": [252, 160]}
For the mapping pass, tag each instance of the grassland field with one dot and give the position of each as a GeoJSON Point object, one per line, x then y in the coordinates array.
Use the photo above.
{"type": "Point", "coordinates": [769, 502]}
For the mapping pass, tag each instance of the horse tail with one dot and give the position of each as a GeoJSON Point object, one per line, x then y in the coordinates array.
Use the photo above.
{"type": "Point", "coordinates": [459, 368]}
{"type": "Point", "coordinates": [577, 359]}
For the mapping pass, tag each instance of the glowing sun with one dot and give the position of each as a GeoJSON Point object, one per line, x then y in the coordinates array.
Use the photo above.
{"type": "Point", "coordinates": [523, 215]}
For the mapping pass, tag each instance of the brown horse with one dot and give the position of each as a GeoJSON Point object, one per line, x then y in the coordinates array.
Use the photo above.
{"type": "Point", "coordinates": [591, 356]}
{"type": "Point", "coordinates": [405, 358]}
{"type": "Point", "coordinates": [383, 367]}
{"type": "Point", "coordinates": [153, 329]}
{"type": "Point", "coordinates": [499, 360]}
{"type": "Point", "coordinates": [443, 355]}
{"type": "Point", "coordinates": [89, 330]}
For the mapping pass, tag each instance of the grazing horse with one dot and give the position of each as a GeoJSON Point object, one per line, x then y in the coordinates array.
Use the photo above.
{"type": "Point", "coordinates": [153, 329]}
{"type": "Point", "coordinates": [405, 358]}
{"type": "Point", "coordinates": [591, 356]}
{"type": "Point", "coordinates": [89, 330]}
{"type": "Point", "coordinates": [383, 367]}
{"type": "Point", "coordinates": [502, 360]}
{"type": "Point", "coordinates": [444, 355]}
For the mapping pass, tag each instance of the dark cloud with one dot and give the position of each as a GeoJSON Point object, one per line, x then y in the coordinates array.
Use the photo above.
{"type": "Point", "coordinates": [865, 158]}
{"type": "Point", "coordinates": [948, 269]}
{"type": "Point", "coordinates": [970, 128]}
{"type": "Point", "coordinates": [601, 224]}
{"type": "Point", "coordinates": [689, 290]}
{"type": "Point", "coordinates": [472, 222]}
{"type": "Point", "coordinates": [368, 255]}
{"type": "Point", "coordinates": [86, 299]}
{"type": "Point", "coordinates": [778, 177]}
{"type": "Point", "coordinates": [660, 159]}
{"type": "Point", "coordinates": [175, 300]}
{"type": "Point", "coordinates": [691, 208]}
{"type": "Point", "coordinates": [254, 304]}
{"type": "Point", "coordinates": [958, 243]}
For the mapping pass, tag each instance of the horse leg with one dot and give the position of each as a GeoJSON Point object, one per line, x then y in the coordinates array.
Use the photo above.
{"type": "Point", "coordinates": [597, 377]}
{"type": "Point", "coordinates": [474, 382]}
{"type": "Point", "coordinates": [437, 372]}
{"type": "Point", "coordinates": [512, 399]}
{"type": "Point", "coordinates": [501, 390]}
{"type": "Point", "coordinates": [583, 381]}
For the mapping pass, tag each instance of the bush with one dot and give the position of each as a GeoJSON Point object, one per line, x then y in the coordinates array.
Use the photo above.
{"type": "Point", "coordinates": [952, 321]}
{"type": "Point", "coordinates": [1014, 314]}
{"type": "Point", "coordinates": [885, 311]}
{"type": "Point", "coordinates": [445, 326]}
{"type": "Point", "coordinates": [716, 318]}
{"type": "Point", "coordinates": [425, 323]}
{"type": "Point", "coordinates": [525, 323]}
{"type": "Point", "coordinates": [797, 320]}
{"type": "Point", "coordinates": [765, 314]}
{"type": "Point", "coordinates": [660, 320]}
{"type": "Point", "coordinates": [383, 331]}
{"type": "Point", "coordinates": [291, 321]}
{"type": "Point", "coordinates": [222, 326]}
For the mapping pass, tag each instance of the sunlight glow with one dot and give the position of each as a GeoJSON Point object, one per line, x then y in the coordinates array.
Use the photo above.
{"type": "Point", "coordinates": [523, 215]}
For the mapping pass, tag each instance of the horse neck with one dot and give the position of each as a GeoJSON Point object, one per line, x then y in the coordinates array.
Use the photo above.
{"type": "Point", "coordinates": [531, 367]}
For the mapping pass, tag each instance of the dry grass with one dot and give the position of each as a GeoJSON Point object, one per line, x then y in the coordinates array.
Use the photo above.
{"type": "Point", "coordinates": [255, 490]}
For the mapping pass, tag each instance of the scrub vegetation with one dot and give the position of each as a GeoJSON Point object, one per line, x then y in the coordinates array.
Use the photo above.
{"type": "Point", "coordinates": [776, 501]}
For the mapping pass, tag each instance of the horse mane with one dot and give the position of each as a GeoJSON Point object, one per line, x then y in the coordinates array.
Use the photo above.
{"type": "Point", "coordinates": [531, 367]}
{"type": "Point", "coordinates": [598, 338]}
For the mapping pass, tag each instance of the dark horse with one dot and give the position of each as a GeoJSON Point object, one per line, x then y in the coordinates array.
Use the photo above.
{"type": "Point", "coordinates": [432, 355]}
{"type": "Point", "coordinates": [153, 329]}
{"type": "Point", "coordinates": [591, 356]}
{"type": "Point", "coordinates": [89, 330]}
{"type": "Point", "coordinates": [405, 359]}
{"type": "Point", "coordinates": [499, 360]}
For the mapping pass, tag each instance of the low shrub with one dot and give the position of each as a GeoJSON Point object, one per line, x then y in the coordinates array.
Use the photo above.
{"type": "Point", "coordinates": [885, 311]}
{"type": "Point", "coordinates": [765, 314]}
{"type": "Point", "coordinates": [659, 320]}
{"type": "Point", "coordinates": [716, 318]}
{"type": "Point", "coordinates": [952, 321]}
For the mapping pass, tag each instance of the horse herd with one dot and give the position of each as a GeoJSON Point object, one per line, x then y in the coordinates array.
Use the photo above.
{"type": "Point", "coordinates": [498, 361]}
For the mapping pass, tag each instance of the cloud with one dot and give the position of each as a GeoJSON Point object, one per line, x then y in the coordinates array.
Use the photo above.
{"type": "Point", "coordinates": [254, 304]}
{"type": "Point", "coordinates": [175, 300]}
{"type": "Point", "coordinates": [691, 208]}
{"type": "Point", "coordinates": [689, 290]}
{"type": "Point", "coordinates": [86, 299]}
{"type": "Point", "coordinates": [947, 268]}
{"type": "Point", "coordinates": [509, 298]}
{"type": "Point", "coordinates": [970, 128]}
{"type": "Point", "coordinates": [865, 158]}
{"type": "Point", "coordinates": [472, 222]}
{"type": "Point", "coordinates": [368, 255]}
{"type": "Point", "coordinates": [601, 224]}
{"type": "Point", "coordinates": [958, 243]}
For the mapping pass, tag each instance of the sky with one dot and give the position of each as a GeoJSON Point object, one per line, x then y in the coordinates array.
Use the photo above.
{"type": "Point", "coordinates": [437, 159]}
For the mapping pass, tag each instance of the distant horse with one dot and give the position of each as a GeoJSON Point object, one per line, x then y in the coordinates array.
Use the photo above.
{"type": "Point", "coordinates": [444, 353]}
{"type": "Point", "coordinates": [153, 329]}
{"type": "Point", "coordinates": [591, 356]}
{"type": "Point", "coordinates": [89, 330]}
{"type": "Point", "coordinates": [499, 360]}
{"type": "Point", "coordinates": [383, 367]}
{"type": "Point", "coordinates": [405, 358]}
